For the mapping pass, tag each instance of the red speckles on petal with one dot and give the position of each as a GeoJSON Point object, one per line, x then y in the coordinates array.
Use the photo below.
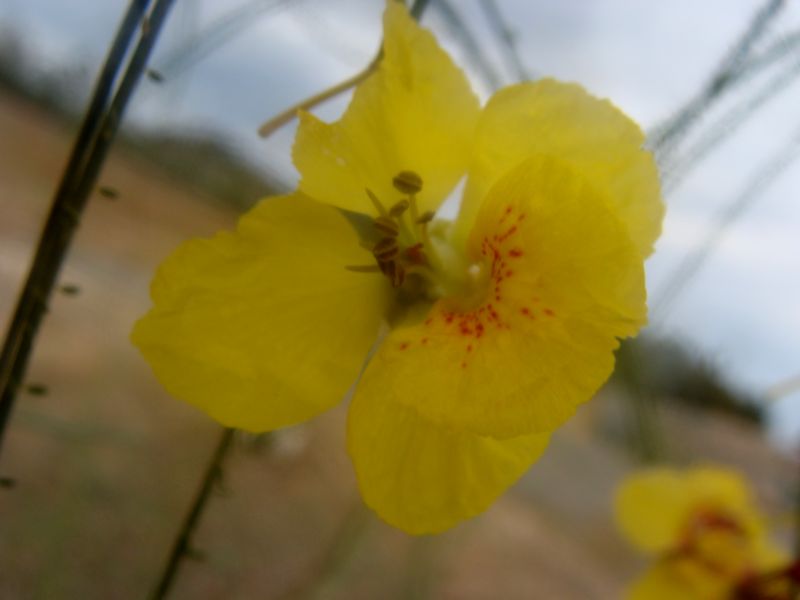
{"type": "Point", "coordinates": [549, 312]}
{"type": "Point", "coordinates": [403, 346]}
{"type": "Point", "coordinates": [502, 310]}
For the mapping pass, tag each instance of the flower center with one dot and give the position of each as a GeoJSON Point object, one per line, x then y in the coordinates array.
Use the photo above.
{"type": "Point", "coordinates": [715, 542]}
{"type": "Point", "coordinates": [413, 251]}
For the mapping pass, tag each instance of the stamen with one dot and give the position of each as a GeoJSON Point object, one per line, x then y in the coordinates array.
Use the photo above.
{"type": "Point", "coordinates": [407, 182]}
{"type": "Point", "coordinates": [386, 226]}
{"type": "Point", "coordinates": [386, 249]}
{"type": "Point", "coordinates": [426, 217]}
{"type": "Point", "coordinates": [377, 203]}
{"type": "Point", "coordinates": [396, 273]}
{"type": "Point", "coordinates": [399, 208]}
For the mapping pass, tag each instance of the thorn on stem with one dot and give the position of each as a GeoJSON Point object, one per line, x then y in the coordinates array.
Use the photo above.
{"type": "Point", "coordinates": [106, 191]}
{"type": "Point", "coordinates": [70, 289]}
{"type": "Point", "coordinates": [37, 389]}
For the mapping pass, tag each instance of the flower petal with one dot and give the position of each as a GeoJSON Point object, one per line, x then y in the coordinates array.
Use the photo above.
{"type": "Point", "coordinates": [565, 283]}
{"type": "Point", "coordinates": [565, 122]}
{"type": "Point", "coordinates": [653, 508]}
{"type": "Point", "coordinates": [679, 579]}
{"type": "Point", "coordinates": [424, 478]}
{"type": "Point", "coordinates": [415, 113]}
{"type": "Point", "coordinates": [264, 327]}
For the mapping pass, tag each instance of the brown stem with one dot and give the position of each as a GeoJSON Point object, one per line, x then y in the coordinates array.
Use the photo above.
{"type": "Point", "coordinates": [182, 545]}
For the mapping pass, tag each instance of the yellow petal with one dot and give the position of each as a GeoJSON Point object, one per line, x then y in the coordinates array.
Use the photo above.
{"type": "Point", "coordinates": [724, 490]}
{"type": "Point", "coordinates": [264, 327]}
{"type": "Point", "coordinates": [565, 283]}
{"type": "Point", "coordinates": [424, 478]}
{"type": "Point", "coordinates": [653, 508]}
{"type": "Point", "coordinates": [563, 121]}
{"type": "Point", "coordinates": [680, 579]}
{"type": "Point", "coordinates": [416, 113]}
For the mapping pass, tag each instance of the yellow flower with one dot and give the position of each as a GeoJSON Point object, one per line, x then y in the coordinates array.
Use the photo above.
{"type": "Point", "coordinates": [499, 324]}
{"type": "Point", "coordinates": [702, 528]}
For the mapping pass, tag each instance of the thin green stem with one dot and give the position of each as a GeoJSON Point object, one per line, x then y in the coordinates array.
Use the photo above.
{"type": "Point", "coordinates": [182, 544]}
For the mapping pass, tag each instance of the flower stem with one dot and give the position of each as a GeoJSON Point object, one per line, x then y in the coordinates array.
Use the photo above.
{"type": "Point", "coordinates": [91, 146]}
{"type": "Point", "coordinates": [182, 543]}
{"type": "Point", "coordinates": [290, 113]}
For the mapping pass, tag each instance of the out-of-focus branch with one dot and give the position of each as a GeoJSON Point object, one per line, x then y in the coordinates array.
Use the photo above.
{"type": "Point", "coordinates": [288, 115]}
{"type": "Point", "coordinates": [508, 41]}
{"type": "Point", "coordinates": [94, 139]}
{"type": "Point", "coordinates": [752, 192]}
{"type": "Point", "coordinates": [468, 41]}
{"type": "Point", "coordinates": [664, 138]}
{"type": "Point", "coordinates": [182, 545]}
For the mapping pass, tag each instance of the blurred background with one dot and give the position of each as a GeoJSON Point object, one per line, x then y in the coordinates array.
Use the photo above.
{"type": "Point", "coordinates": [105, 463]}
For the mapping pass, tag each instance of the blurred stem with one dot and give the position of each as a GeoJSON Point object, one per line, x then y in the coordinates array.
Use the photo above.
{"type": "Point", "coordinates": [182, 544]}
{"type": "Point", "coordinates": [664, 138]}
{"type": "Point", "coordinates": [282, 118]}
{"type": "Point", "coordinates": [335, 557]}
{"type": "Point", "coordinates": [91, 146]}
{"type": "Point", "coordinates": [646, 439]}
{"type": "Point", "coordinates": [507, 38]}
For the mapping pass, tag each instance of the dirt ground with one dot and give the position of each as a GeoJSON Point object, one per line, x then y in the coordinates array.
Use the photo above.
{"type": "Point", "coordinates": [106, 462]}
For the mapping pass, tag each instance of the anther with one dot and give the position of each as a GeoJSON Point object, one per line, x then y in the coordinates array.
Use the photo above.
{"type": "Point", "coordinates": [399, 208]}
{"type": "Point", "coordinates": [386, 249]}
{"type": "Point", "coordinates": [426, 217]}
{"type": "Point", "coordinates": [386, 226]}
{"type": "Point", "coordinates": [407, 182]}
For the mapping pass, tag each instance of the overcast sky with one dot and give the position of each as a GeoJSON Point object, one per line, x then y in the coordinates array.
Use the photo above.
{"type": "Point", "coordinates": [741, 309]}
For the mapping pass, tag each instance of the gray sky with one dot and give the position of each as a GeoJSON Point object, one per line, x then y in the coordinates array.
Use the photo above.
{"type": "Point", "coordinates": [648, 57]}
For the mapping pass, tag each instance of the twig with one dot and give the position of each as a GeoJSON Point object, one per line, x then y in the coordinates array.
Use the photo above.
{"type": "Point", "coordinates": [726, 125]}
{"type": "Point", "coordinates": [665, 136]}
{"type": "Point", "coordinates": [469, 42]}
{"type": "Point", "coordinates": [752, 191]}
{"type": "Point", "coordinates": [507, 38]}
{"type": "Point", "coordinates": [282, 118]}
{"type": "Point", "coordinates": [215, 35]}
{"type": "Point", "coordinates": [88, 154]}
{"type": "Point", "coordinates": [182, 544]}
{"type": "Point", "coordinates": [646, 437]}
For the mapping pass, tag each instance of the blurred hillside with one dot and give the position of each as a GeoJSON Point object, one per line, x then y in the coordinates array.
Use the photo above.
{"type": "Point", "coordinates": [199, 160]}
